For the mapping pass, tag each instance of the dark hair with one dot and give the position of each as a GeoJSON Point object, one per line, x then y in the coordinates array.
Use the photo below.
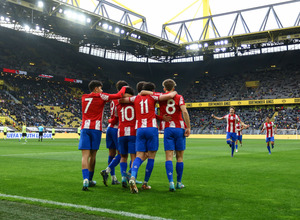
{"type": "Point", "coordinates": [93, 84]}
{"type": "Point", "coordinates": [149, 86]}
{"type": "Point", "coordinates": [169, 84]}
{"type": "Point", "coordinates": [120, 84]}
{"type": "Point", "coordinates": [232, 108]}
{"type": "Point", "coordinates": [129, 91]}
{"type": "Point", "coordinates": [139, 86]}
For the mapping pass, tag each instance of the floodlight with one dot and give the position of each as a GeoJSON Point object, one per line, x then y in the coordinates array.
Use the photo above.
{"type": "Point", "coordinates": [187, 47]}
{"type": "Point", "coordinates": [194, 46]}
{"type": "Point", "coordinates": [37, 28]}
{"type": "Point", "coordinates": [226, 41]}
{"type": "Point", "coordinates": [122, 31]}
{"type": "Point", "coordinates": [205, 44]}
{"type": "Point", "coordinates": [53, 8]}
{"type": "Point", "coordinates": [117, 30]}
{"type": "Point", "coordinates": [105, 26]}
{"type": "Point", "coordinates": [7, 19]}
{"type": "Point", "coordinates": [60, 10]}
{"type": "Point", "coordinates": [109, 27]}
{"type": "Point", "coordinates": [40, 4]}
{"type": "Point", "coordinates": [2, 18]}
{"type": "Point", "coordinates": [88, 20]}
{"type": "Point", "coordinates": [26, 27]}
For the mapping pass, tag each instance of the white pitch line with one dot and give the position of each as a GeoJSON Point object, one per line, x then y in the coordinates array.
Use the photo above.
{"type": "Point", "coordinates": [31, 154]}
{"type": "Point", "coordinates": [110, 211]}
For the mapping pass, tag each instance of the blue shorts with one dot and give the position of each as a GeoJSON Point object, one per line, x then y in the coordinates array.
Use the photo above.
{"type": "Point", "coordinates": [127, 145]}
{"type": "Point", "coordinates": [270, 139]}
{"type": "Point", "coordinates": [174, 139]}
{"type": "Point", "coordinates": [112, 138]}
{"type": "Point", "coordinates": [146, 139]}
{"type": "Point", "coordinates": [231, 135]}
{"type": "Point", "coordinates": [239, 138]}
{"type": "Point", "coordinates": [89, 139]}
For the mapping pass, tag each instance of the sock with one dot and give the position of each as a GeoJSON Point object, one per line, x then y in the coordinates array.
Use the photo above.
{"type": "Point", "coordinates": [25, 138]}
{"type": "Point", "coordinates": [179, 171]}
{"type": "Point", "coordinates": [123, 167]}
{"type": "Point", "coordinates": [149, 169]}
{"type": "Point", "coordinates": [169, 169]}
{"type": "Point", "coordinates": [135, 166]}
{"type": "Point", "coordinates": [236, 146]}
{"type": "Point", "coordinates": [232, 149]}
{"type": "Point", "coordinates": [269, 149]}
{"type": "Point", "coordinates": [272, 146]}
{"type": "Point", "coordinates": [114, 163]}
{"type": "Point", "coordinates": [110, 158]}
{"type": "Point", "coordinates": [85, 173]}
{"type": "Point", "coordinates": [129, 171]}
{"type": "Point", "coordinates": [91, 174]}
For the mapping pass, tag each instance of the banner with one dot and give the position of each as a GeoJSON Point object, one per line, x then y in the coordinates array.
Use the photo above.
{"type": "Point", "coordinates": [73, 80]}
{"type": "Point", "coordinates": [29, 135]}
{"type": "Point", "coordinates": [253, 84]}
{"type": "Point", "coordinates": [45, 76]}
{"type": "Point", "coordinates": [244, 103]}
{"type": "Point", "coordinates": [14, 71]}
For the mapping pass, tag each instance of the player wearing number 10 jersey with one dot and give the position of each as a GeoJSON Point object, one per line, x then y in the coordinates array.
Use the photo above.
{"type": "Point", "coordinates": [175, 132]}
{"type": "Point", "coordinates": [91, 128]}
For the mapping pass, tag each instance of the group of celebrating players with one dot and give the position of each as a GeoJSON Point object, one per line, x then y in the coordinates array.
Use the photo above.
{"type": "Point", "coordinates": [133, 130]}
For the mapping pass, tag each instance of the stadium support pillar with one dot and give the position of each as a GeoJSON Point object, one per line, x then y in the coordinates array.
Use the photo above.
{"type": "Point", "coordinates": [206, 10]}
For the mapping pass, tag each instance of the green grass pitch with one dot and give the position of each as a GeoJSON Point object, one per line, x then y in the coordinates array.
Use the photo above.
{"type": "Point", "coordinates": [251, 185]}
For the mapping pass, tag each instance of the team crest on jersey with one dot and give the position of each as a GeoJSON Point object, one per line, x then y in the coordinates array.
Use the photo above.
{"type": "Point", "coordinates": [231, 118]}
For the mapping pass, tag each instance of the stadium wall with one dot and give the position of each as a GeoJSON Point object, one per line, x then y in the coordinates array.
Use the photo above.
{"type": "Point", "coordinates": [203, 136]}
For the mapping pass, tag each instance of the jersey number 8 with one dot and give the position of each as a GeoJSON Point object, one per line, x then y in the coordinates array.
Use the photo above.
{"type": "Point", "coordinates": [170, 107]}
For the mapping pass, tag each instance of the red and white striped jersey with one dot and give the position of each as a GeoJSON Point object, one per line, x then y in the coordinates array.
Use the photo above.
{"type": "Point", "coordinates": [172, 108]}
{"type": "Point", "coordinates": [92, 108]}
{"type": "Point", "coordinates": [239, 129]}
{"type": "Point", "coordinates": [126, 114]}
{"type": "Point", "coordinates": [113, 113]}
{"type": "Point", "coordinates": [144, 107]}
{"type": "Point", "coordinates": [269, 127]}
{"type": "Point", "coordinates": [231, 122]}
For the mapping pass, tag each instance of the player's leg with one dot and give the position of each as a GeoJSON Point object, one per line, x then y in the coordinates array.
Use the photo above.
{"type": "Point", "coordinates": [268, 145]}
{"type": "Point", "coordinates": [180, 148]}
{"type": "Point", "coordinates": [241, 139]}
{"type": "Point", "coordinates": [236, 145]}
{"type": "Point", "coordinates": [228, 139]}
{"type": "Point", "coordinates": [233, 138]}
{"type": "Point", "coordinates": [152, 148]}
{"type": "Point", "coordinates": [5, 135]}
{"type": "Point", "coordinates": [134, 170]}
{"type": "Point", "coordinates": [169, 146]}
{"type": "Point", "coordinates": [123, 147]}
{"type": "Point", "coordinates": [272, 142]}
{"type": "Point", "coordinates": [84, 168]}
{"type": "Point", "coordinates": [92, 163]}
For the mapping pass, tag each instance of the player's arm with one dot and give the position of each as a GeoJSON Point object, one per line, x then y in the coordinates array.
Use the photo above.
{"type": "Point", "coordinates": [145, 92]}
{"type": "Point", "coordinates": [218, 118]}
{"type": "Point", "coordinates": [165, 117]}
{"type": "Point", "coordinates": [186, 119]}
{"type": "Point", "coordinates": [168, 96]}
{"type": "Point", "coordinates": [114, 121]}
{"type": "Point", "coordinates": [117, 95]}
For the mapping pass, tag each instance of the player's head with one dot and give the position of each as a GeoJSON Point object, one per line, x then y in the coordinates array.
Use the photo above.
{"type": "Point", "coordinates": [149, 86]}
{"type": "Point", "coordinates": [267, 119]}
{"type": "Point", "coordinates": [129, 92]}
{"type": "Point", "coordinates": [139, 86]}
{"type": "Point", "coordinates": [231, 110]}
{"type": "Point", "coordinates": [95, 86]}
{"type": "Point", "coordinates": [120, 84]}
{"type": "Point", "coordinates": [169, 85]}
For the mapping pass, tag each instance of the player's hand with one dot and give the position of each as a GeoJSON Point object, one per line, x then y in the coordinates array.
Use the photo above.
{"type": "Point", "coordinates": [212, 115]}
{"type": "Point", "coordinates": [187, 132]}
{"type": "Point", "coordinates": [167, 118]}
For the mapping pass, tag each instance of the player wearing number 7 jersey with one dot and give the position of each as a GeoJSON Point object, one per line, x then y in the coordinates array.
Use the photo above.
{"type": "Point", "coordinates": [175, 132]}
{"type": "Point", "coordinates": [91, 128]}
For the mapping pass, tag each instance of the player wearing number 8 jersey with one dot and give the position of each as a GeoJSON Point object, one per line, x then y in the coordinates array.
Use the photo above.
{"type": "Point", "coordinates": [175, 132]}
{"type": "Point", "coordinates": [91, 128]}
{"type": "Point", "coordinates": [147, 132]}
{"type": "Point", "coordinates": [231, 119]}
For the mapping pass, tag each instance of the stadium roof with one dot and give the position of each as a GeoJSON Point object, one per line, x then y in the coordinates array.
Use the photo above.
{"type": "Point", "coordinates": [57, 19]}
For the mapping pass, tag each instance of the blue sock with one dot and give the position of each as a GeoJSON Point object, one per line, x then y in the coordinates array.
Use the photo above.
{"type": "Point", "coordinates": [179, 171]}
{"type": "Point", "coordinates": [123, 167]}
{"type": "Point", "coordinates": [236, 146]}
{"type": "Point", "coordinates": [129, 171]}
{"type": "Point", "coordinates": [114, 163]}
{"type": "Point", "coordinates": [85, 173]}
{"type": "Point", "coordinates": [110, 158]}
{"type": "Point", "coordinates": [135, 166]}
{"type": "Point", "coordinates": [149, 168]}
{"type": "Point", "coordinates": [91, 175]}
{"type": "Point", "coordinates": [169, 169]}
{"type": "Point", "coordinates": [272, 146]}
{"type": "Point", "coordinates": [232, 149]}
{"type": "Point", "coordinates": [269, 149]}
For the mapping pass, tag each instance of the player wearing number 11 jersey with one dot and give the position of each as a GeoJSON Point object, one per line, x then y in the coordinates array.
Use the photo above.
{"type": "Point", "coordinates": [91, 128]}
